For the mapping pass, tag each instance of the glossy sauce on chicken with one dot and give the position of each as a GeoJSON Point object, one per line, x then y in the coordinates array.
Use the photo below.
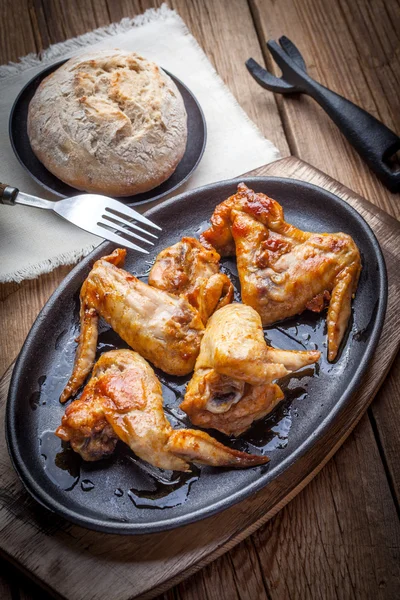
{"type": "Point", "coordinates": [123, 400]}
{"type": "Point", "coordinates": [283, 270]}
{"type": "Point", "coordinates": [190, 270]}
{"type": "Point", "coordinates": [163, 328]}
{"type": "Point", "coordinates": [233, 382]}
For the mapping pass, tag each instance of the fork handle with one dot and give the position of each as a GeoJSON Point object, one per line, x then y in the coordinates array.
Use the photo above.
{"type": "Point", "coordinates": [8, 194]}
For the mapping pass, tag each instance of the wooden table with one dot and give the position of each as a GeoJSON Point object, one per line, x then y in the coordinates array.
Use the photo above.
{"type": "Point", "coordinates": [340, 537]}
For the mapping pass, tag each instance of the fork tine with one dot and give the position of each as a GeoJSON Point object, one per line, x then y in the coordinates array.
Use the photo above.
{"type": "Point", "coordinates": [129, 212]}
{"type": "Point", "coordinates": [123, 221]}
{"type": "Point", "coordinates": [123, 230]}
{"type": "Point", "coordinates": [117, 239]}
{"type": "Point", "coordinates": [292, 51]}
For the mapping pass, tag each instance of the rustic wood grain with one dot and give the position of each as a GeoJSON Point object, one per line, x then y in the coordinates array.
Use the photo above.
{"type": "Point", "coordinates": [143, 566]}
{"type": "Point", "coordinates": [384, 414]}
{"type": "Point", "coordinates": [19, 306]}
{"type": "Point", "coordinates": [228, 38]}
{"type": "Point", "coordinates": [66, 19]}
{"type": "Point", "coordinates": [340, 509]}
{"type": "Point", "coordinates": [16, 33]}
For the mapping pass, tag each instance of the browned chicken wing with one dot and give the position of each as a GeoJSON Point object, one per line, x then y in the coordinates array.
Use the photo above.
{"type": "Point", "coordinates": [232, 383]}
{"type": "Point", "coordinates": [164, 328]}
{"type": "Point", "coordinates": [284, 270]}
{"type": "Point", "coordinates": [189, 269]}
{"type": "Point", "coordinates": [123, 400]}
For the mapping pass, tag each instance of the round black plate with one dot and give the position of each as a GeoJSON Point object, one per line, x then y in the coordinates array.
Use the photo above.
{"type": "Point", "coordinates": [196, 143]}
{"type": "Point", "coordinates": [123, 495]}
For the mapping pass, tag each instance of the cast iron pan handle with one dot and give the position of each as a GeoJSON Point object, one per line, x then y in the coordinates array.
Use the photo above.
{"type": "Point", "coordinates": [373, 141]}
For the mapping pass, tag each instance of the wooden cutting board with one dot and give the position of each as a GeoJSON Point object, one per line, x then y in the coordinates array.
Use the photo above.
{"type": "Point", "coordinates": [75, 563]}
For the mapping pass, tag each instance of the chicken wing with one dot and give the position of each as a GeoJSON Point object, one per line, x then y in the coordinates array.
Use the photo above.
{"type": "Point", "coordinates": [123, 400]}
{"type": "Point", "coordinates": [189, 269]}
{"type": "Point", "coordinates": [164, 328]}
{"type": "Point", "coordinates": [284, 270]}
{"type": "Point", "coordinates": [232, 385]}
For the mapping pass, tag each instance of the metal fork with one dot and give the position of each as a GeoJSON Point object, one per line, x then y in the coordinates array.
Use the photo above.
{"type": "Point", "coordinates": [375, 143]}
{"type": "Point", "coordinates": [94, 213]}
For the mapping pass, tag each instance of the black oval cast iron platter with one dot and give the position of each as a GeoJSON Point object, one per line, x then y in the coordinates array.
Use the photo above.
{"type": "Point", "coordinates": [123, 494]}
{"type": "Point", "coordinates": [18, 132]}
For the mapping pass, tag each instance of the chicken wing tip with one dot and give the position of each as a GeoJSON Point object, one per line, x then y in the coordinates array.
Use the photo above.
{"type": "Point", "coordinates": [197, 446]}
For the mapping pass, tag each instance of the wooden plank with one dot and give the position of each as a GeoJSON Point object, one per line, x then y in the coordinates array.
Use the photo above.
{"type": "Point", "coordinates": [68, 18]}
{"type": "Point", "coordinates": [235, 575]}
{"type": "Point", "coordinates": [15, 586]}
{"type": "Point", "coordinates": [20, 305]}
{"type": "Point", "coordinates": [16, 34]}
{"type": "Point", "coordinates": [342, 512]}
{"type": "Point", "coordinates": [384, 414]}
{"type": "Point", "coordinates": [247, 571]}
{"type": "Point", "coordinates": [143, 566]}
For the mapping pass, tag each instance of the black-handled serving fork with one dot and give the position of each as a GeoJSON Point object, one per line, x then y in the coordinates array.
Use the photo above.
{"type": "Point", "coordinates": [373, 141]}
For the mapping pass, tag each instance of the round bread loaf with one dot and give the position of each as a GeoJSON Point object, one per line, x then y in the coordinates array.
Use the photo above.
{"type": "Point", "coordinates": [109, 122]}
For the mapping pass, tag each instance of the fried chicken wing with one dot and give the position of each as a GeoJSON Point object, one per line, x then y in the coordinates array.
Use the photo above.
{"type": "Point", "coordinates": [164, 328]}
{"type": "Point", "coordinates": [284, 270]}
{"type": "Point", "coordinates": [232, 385]}
{"type": "Point", "coordinates": [189, 269]}
{"type": "Point", "coordinates": [123, 400]}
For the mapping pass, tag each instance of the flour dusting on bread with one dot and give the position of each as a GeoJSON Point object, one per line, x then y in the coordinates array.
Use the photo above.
{"type": "Point", "coordinates": [109, 122]}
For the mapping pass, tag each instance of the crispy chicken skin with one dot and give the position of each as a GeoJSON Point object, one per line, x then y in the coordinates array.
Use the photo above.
{"type": "Point", "coordinates": [284, 270]}
{"type": "Point", "coordinates": [189, 269]}
{"type": "Point", "coordinates": [232, 384]}
{"type": "Point", "coordinates": [165, 329]}
{"type": "Point", "coordinates": [123, 400]}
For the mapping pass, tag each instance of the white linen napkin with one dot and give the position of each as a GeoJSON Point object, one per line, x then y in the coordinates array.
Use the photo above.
{"type": "Point", "coordinates": [34, 241]}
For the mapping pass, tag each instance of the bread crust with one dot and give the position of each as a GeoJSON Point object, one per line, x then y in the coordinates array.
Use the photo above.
{"type": "Point", "coordinates": [109, 122]}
